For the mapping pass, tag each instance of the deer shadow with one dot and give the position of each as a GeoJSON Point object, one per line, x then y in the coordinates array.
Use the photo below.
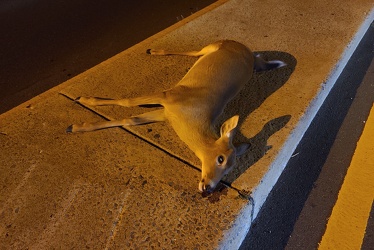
{"type": "Point", "coordinates": [260, 87]}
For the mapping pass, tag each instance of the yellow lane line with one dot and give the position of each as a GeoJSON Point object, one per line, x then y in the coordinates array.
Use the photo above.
{"type": "Point", "coordinates": [347, 224]}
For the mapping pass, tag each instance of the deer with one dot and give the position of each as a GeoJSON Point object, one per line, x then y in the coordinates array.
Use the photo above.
{"type": "Point", "coordinates": [195, 103]}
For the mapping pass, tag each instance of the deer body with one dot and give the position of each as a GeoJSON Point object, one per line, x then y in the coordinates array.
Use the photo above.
{"type": "Point", "coordinates": [199, 98]}
{"type": "Point", "coordinates": [194, 104]}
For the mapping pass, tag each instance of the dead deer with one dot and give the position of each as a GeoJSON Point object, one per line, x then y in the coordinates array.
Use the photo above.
{"type": "Point", "coordinates": [194, 104]}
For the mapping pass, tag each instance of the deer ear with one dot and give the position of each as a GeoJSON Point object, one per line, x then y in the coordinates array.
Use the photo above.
{"type": "Point", "coordinates": [228, 127]}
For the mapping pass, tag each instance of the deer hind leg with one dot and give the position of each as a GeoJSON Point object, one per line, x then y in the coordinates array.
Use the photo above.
{"type": "Point", "coordinates": [206, 50]}
{"type": "Point", "coordinates": [149, 117]}
{"type": "Point", "coordinates": [127, 102]}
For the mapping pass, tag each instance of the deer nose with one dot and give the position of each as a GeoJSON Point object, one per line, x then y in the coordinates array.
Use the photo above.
{"type": "Point", "coordinates": [205, 188]}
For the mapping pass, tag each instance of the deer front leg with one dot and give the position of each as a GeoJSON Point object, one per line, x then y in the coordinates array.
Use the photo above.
{"type": "Point", "coordinates": [206, 50]}
{"type": "Point", "coordinates": [127, 102]}
{"type": "Point", "coordinates": [149, 117]}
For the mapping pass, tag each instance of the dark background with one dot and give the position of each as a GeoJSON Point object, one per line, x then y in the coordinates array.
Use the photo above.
{"type": "Point", "coordinates": [44, 43]}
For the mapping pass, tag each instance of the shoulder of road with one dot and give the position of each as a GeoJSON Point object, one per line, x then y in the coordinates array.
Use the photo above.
{"type": "Point", "coordinates": [137, 187]}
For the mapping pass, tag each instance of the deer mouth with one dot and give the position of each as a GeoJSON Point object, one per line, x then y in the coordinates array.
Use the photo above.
{"type": "Point", "coordinates": [206, 187]}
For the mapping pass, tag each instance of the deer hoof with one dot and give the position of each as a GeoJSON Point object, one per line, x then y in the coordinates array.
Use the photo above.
{"type": "Point", "coordinates": [69, 129]}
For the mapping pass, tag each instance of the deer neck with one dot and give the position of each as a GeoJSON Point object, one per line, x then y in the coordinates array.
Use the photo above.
{"type": "Point", "coordinates": [200, 141]}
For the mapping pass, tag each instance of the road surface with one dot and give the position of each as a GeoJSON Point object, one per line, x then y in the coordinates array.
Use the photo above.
{"type": "Point", "coordinates": [296, 213]}
{"type": "Point", "coordinates": [45, 43]}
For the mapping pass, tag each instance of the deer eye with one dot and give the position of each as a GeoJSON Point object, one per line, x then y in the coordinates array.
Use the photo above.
{"type": "Point", "coordinates": [220, 159]}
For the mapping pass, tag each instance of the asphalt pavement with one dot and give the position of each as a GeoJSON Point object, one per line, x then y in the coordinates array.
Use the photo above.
{"type": "Point", "coordinates": [314, 175]}
{"type": "Point", "coordinates": [45, 43]}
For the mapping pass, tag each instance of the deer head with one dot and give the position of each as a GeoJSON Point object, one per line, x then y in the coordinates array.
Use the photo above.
{"type": "Point", "coordinates": [220, 156]}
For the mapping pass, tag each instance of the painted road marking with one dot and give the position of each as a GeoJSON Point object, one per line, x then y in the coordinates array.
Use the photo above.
{"type": "Point", "coordinates": [347, 224]}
